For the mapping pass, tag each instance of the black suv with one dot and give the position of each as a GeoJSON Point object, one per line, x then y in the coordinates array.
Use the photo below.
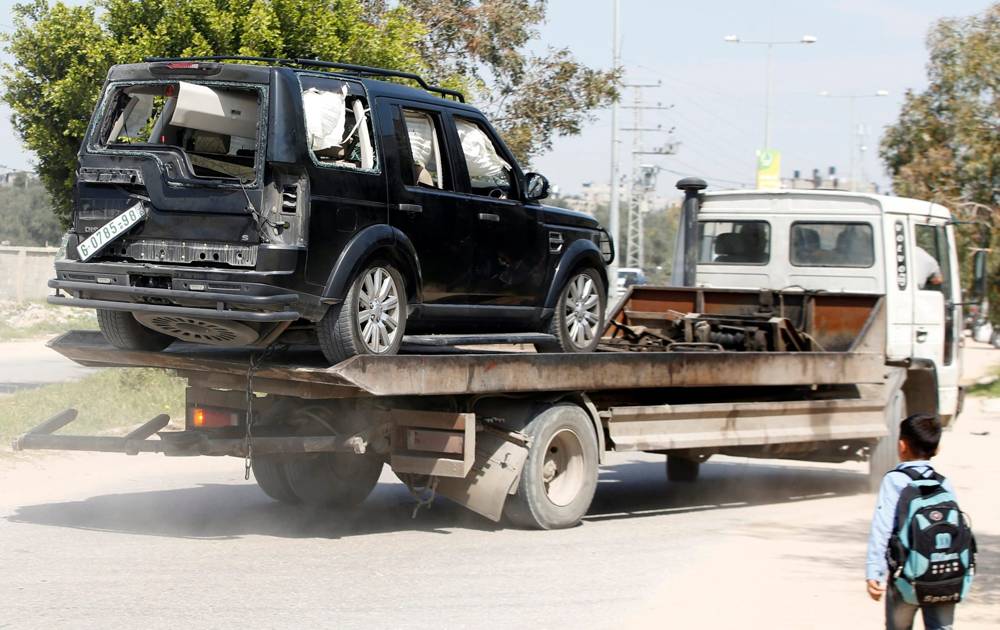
{"type": "Point", "coordinates": [236, 204]}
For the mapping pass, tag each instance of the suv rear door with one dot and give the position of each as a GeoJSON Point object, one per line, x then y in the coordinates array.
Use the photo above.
{"type": "Point", "coordinates": [423, 203]}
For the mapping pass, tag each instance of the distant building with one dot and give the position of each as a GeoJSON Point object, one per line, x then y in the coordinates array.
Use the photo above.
{"type": "Point", "coordinates": [827, 181]}
{"type": "Point", "coordinates": [593, 196]}
{"type": "Point", "coordinates": [17, 178]}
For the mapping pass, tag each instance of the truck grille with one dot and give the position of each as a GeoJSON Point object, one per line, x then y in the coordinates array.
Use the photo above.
{"type": "Point", "coordinates": [185, 253]}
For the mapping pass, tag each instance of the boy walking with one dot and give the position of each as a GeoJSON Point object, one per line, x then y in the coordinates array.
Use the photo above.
{"type": "Point", "coordinates": [931, 501]}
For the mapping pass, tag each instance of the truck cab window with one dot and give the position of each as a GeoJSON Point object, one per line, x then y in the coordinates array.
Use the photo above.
{"type": "Point", "coordinates": [489, 174]}
{"type": "Point", "coordinates": [931, 270]}
{"type": "Point", "coordinates": [338, 124]}
{"type": "Point", "coordinates": [832, 245]}
{"type": "Point", "coordinates": [734, 242]}
{"type": "Point", "coordinates": [425, 150]}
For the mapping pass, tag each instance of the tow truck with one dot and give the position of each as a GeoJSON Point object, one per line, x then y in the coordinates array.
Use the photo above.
{"type": "Point", "coordinates": [785, 339]}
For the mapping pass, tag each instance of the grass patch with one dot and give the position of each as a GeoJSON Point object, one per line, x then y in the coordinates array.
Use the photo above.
{"type": "Point", "coordinates": [27, 320]}
{"type": "Point", "coordinates": [987, 390]}
{"type": "Point", "coordinates": [108, 400]}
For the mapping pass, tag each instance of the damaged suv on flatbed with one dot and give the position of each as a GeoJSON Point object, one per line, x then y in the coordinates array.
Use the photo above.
{"type": "Point", "coordinates": [236, 204]}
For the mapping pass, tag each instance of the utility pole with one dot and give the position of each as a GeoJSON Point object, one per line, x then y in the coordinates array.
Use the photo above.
{"type": "Point", "coordinates": [642, 182]}
{"type": "Point", "coordinates": [614, 226]}
{"type": "Point", "coordinates": [857, 135]}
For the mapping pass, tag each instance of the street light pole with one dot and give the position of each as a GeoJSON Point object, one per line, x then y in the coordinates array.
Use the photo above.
{"type": "Point", "coordinates": [735, 39]}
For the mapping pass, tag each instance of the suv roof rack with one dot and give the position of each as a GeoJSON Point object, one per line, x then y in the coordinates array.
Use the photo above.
{"type": "Point", "coordinates": [369, 71]}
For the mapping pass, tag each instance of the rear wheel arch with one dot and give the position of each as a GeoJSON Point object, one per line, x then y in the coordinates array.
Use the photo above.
{"type": "Point", "coordinates": [374, 242]}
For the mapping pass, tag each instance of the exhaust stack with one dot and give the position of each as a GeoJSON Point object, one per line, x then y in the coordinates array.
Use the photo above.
{"type": "Point", "coordinates": [692, 187]}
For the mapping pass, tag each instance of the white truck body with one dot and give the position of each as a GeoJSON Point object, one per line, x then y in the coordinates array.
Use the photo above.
{"type": "Point", "coordinates": [922, 320]}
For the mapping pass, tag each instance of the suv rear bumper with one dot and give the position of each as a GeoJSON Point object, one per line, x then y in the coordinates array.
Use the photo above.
{"type": "Point", "coordinates": [230, 295]}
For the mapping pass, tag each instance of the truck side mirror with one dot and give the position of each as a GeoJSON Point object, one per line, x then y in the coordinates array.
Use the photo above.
{"type": "Point", "coordinates": [537, 186]}
{"type": "Point", "coordinates": [979, 276]}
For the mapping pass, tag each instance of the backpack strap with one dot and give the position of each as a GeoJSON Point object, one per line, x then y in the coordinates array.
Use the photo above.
{"type": "Point", "coordinates": [915, 475]}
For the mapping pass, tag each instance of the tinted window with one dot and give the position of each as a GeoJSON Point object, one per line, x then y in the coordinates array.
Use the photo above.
{"type": "Point", "coordinates": [425, 150]}
{"type": "Point", "coordinates": [489, 174]}
{"type": "Point", "coordinates": [832, 245]}
{"type": "Point", "coordinates": [734, 242]}
{"type": "Point", "coordinates": [338, 124]}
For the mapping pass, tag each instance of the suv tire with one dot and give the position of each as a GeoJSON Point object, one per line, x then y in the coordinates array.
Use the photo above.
{"type": "Point", "coordinates": [578, 321]}
{"type": "Point", "coordinates": [344, 332]}
{"type": "Point", "coordinates": [123, 331]}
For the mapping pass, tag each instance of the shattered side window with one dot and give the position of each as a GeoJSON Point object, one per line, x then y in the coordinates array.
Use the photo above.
{"type": "Point", "coordinates": [489, 174]}
{"type": "Point", "coordinates": [338, 124]}
{"type": "Point", "coordinates": [215, 126]}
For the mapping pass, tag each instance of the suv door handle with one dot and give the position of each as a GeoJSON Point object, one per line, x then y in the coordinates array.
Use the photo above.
{"type": "Point", "coordinates": [921, 335]}
{"type": "Point", "coordinates": [489, 216]}
{"type": "Point", "coordinates": [409, 207]}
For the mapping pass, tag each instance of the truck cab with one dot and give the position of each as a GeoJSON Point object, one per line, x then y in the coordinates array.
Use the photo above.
{"type": "Point", "coordinates": [840, 242]}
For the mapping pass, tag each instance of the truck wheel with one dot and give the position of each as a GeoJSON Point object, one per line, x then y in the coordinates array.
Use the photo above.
{"type": "Point", "coordinates": [123, 331]}
{"type": "Point", "coordinates": [884, 454]}
{"type": "Point", "coordinates": [559, 477]}
{"type": "Point", "coordinates": [370, 320]}
{"type": "Point", "coordinates": [271, 477]}
{"type": "Point", "coordinates": [336, 480]}
{"type": "Point", "coordinates": [578, 321]}
{"type": "Point", "coordinates": [682, 470]}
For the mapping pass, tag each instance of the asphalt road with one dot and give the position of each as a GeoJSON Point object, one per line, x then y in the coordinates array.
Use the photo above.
{"type": "Point", "coordinates": [26, 364]}
{"type": "Point", "coordinates": [109, 541]}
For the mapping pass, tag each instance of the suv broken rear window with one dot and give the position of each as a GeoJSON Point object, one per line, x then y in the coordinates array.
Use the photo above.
{"type": "Point", "coordinates": [215, 126]}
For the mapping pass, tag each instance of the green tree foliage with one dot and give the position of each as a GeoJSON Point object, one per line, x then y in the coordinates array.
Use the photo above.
{"type": "Point", "coordinates": [945, 147]}
{"type": "Point", "coordinates": [62, 54]}
{"type": "Point", "coordinates": [26, 216]}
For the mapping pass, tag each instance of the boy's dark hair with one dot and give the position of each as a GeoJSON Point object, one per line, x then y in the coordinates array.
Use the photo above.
{"type": "Point", "coordinates": [922, 433]}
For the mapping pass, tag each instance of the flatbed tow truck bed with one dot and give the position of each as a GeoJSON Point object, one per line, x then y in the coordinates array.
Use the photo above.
{"type": "Point", "coordinates": [464, 422]}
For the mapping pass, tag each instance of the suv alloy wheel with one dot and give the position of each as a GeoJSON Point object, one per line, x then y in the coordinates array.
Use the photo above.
{"type": "Point", "coordinates": [578, 321]}
{"type": "Point", "coordinates": [370, 320]}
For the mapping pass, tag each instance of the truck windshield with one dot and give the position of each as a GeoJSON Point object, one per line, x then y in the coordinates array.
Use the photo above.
{"type": "Point", "coordinates": [216, 127]}
{"type": "Point", "coordinates": [734, 242]}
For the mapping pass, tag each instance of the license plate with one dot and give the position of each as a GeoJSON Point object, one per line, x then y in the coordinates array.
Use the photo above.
{"type": "Point", "coordinates": [111, 230]}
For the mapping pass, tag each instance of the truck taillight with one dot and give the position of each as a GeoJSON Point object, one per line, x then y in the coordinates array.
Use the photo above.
{"type": "Point", "coordinates": [209, 418]}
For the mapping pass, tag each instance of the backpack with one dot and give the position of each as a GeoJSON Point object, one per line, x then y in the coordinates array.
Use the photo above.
{"type": "Point", "coordinates": [932, 552]}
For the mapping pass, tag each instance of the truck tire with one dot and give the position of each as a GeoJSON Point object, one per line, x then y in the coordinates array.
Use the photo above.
{"type": "Point", "coordinates": [559, 477]}
{"type": "Point", "coordinates": [333, 480]}
{"type": "Point", "coordinates": [348, 329]}
{"type": "Point", "coordinates": [578, 320]}
{"type": "Point", "coordinates": [271, 477]}
{"type": "Point", "coordinates": [123, 331]}
{"type": "Point", "coordinates": [884, 454]}
{"type": "Point", "coordinates": [682, 470]}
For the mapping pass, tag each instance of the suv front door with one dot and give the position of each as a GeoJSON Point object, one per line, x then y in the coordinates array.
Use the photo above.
{"type": "Point", "coordinates": [510, 255]}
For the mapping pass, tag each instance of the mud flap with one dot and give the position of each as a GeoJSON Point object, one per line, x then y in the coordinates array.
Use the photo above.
{"type": "Point", "coordinates": [497, 467]}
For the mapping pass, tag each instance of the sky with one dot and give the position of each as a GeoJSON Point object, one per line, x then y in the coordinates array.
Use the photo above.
{"type": "Point", "coordinates": [717, 89]}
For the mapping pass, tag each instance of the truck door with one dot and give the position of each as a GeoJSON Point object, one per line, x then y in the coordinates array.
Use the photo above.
{"type": "Point", "coordinates": [423, 202]}
{"type": "Point", "coordinates": [935, 317]}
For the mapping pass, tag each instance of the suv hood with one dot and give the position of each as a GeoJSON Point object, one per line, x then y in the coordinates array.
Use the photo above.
{"type": "Point", "coordinates": [563, 216]}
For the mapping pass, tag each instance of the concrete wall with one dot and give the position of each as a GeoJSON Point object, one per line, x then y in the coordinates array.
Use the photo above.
{"type": "Point", "coordinates": [24, 272]}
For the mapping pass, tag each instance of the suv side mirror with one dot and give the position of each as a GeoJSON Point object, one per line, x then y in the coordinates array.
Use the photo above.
{"type": "Point", "coordinates": [537, 186]}
{"type": "Point", "coordinates": [979, 276]}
